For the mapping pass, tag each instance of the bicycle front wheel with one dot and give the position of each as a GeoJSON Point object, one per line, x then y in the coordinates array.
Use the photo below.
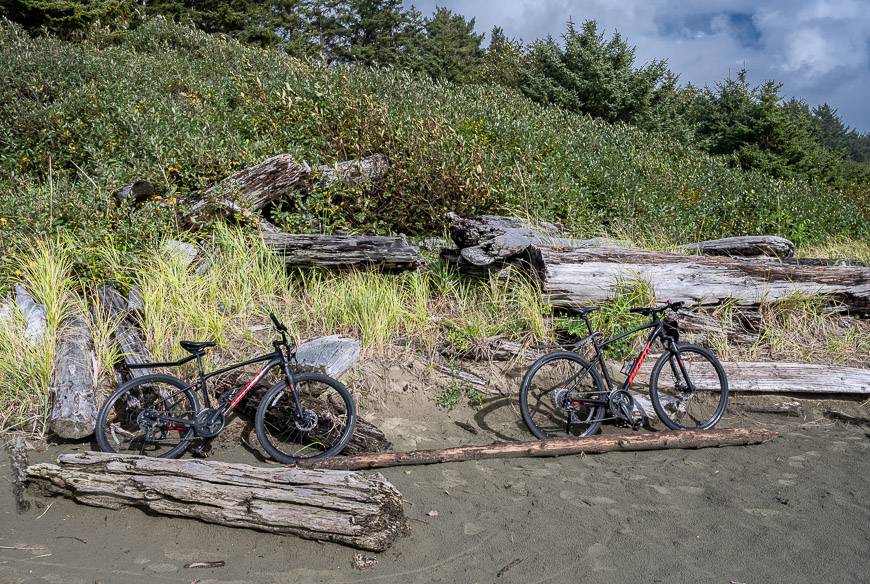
{"type": "Point", "coordinates": [556, 397]}
{"type": "Point", "coordinates": [688, 388]}
{"type": "Point", "coordinates": [134, 418]}
{"type": "Point", "coordinates": [321, 429]}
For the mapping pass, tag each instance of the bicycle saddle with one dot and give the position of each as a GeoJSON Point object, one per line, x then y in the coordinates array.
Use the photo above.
{"type": "Point", "coordinates": [580, 311]}
{"type": "Point", "coordinates": [196, 346]}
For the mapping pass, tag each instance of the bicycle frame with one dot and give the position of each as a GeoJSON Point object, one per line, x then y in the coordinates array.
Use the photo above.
{"type": "Point", "coordinates": [276, 358]}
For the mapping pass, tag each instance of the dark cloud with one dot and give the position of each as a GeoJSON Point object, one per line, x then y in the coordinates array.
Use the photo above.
{"type": "Point", "coordinates": [818, 49]}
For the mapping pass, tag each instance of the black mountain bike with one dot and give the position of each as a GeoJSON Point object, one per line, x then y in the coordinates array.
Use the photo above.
{"type": "Point", "coordinates": [563, 394]}
{"type": "Point", "coordinates": [303, 416]}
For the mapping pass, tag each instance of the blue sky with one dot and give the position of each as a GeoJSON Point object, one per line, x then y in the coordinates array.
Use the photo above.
{"type": "Point", "coordinates": [818, 49]}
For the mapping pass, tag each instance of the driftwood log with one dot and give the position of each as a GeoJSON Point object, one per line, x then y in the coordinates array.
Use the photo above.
{"type": "Point", "coordinates": [572, 277]}
{"type": "Point", "coordinates": [747, 246]}
{"type": "Point", "coordinates": [561, 447]}
{"type": "Point", "coordinates": [344, 507]}
{"type": "Point", "coordinates": [333, 355]}
{"type": "Point", "coordinates": [74, 400]}
{"type": "Point", "coordinates": [126, 333]}
{"type": "Point", "coordinates": [344, 251]}
{"type": "Point", "coordinates": [760, 377]}
{"type": "Point", "coordinates": [351, 172]}
{"type": "Point", "coordinates": [34, 313]}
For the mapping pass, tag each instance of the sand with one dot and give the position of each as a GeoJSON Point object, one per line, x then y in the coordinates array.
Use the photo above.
{"type": "Point", "coordinates": [794, 510]}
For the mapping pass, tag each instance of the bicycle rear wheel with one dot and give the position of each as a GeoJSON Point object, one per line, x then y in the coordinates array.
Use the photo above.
{"type": "Point", "coordinates": [555, 395]}
{"type": "Point", "coordinates": [688, 388]}
{"type": "Point", "coordinates": [323, 428]}
{"type": "Point", "coordinates": [131, 420]}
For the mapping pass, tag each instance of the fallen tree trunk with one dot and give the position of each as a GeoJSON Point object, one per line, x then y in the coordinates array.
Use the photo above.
{"type": "Point", "coordinates": [344, 507]}
{"type": "Point", "coordinates": [575, 277]}
{"type": "Point", "coordinates": [34, 313]}
{"type": "Point", "coordinates": [561, 447]}
{"type": "Point", "coordinates": [126, 333]}
{"type": "Point", "coordinates": [251, 189]}
{"type": "Point", "coordinates": [344, 251]}
{"type": "Point", "coordinates": [780, 377]}
{"type": "Point", "coordinates": [74, 407]}
{"type": "Point", "coordinates": [747, 246]}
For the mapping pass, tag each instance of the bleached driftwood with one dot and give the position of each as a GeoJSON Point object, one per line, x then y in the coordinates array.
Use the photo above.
{"type": "Point", "coordinates": [126, 333]}
{"type": "Point", "coordinates": [34, 313]}
{"type": "Point", "coordinates": [344, 251]}
{"type": "Point", "coordinates": [344, 507]}
{"type": "Point", "coordinates": [761, 377]}
{"type": "Point", "coordinates": [350, 172]}
{"type": "Point", "coordinates": [74, 402]}
{"type": "Point", "coordinates": [745, 246]}
{"type": "Point", "coordinates": [333, 355]}
{"type": "Point", "coordinates": [560, 447]}
{"type": "Point", "coordinates": [572, 277]}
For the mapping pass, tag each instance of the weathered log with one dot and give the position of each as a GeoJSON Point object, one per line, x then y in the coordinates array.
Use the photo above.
{"type": "Point", "coordinates": [126, 333]}
{"type": "Point", "coordinates": [846, 418]}
{"type": "Point", "coordinates": [350, 172]}
{"type": "Point", "coordinates": [136, 192]}
{"type": "Point", "coordinates": [701, 328]}
{"type": "Point", "coordinates": [344, 507]}
{"type": "Point", "coordinates": [759, 377]}
{"type": "Point", "coordinates": [18, 467]}
{"type": "Point", "coordinates": [572, 277]}
{"type": "Point", "coordinates": [345, 251]}
{"type": "Point", "coordinates": [560, 447]}
{"type": "Point", "coordinates": [74, 406]}
{"type": "Point", "coordinates": [35, 315]}
{"type": "Point", "coordinates": [492, 240]}
{"type": "Point", "coordinates": [333, 355]}
{"type": "Point", "coordinates": [792, 408]}
{"type": "Point", "coordinates": [746, 246]}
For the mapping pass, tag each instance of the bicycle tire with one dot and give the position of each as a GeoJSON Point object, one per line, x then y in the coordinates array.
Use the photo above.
{"type": "Point", "coordinates": [656, 392]}
{"type": "Point", "coordinates": [596, 413]}
{"type": "Point", "coordinates": [271, 401]}
{"type": "Point", "coordinates": [128, 388]}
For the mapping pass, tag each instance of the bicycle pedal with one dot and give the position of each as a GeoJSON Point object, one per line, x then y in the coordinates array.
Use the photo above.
{"type": "Point", "coordinates": [202, 451]}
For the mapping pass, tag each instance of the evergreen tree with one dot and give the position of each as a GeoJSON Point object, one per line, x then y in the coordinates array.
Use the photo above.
{"type": "Point", "coordinates": [450, 49]}
{"type": "Point", "coordinates": [595, 76]}
{"type": "Point", "coordinates": [65, 17]}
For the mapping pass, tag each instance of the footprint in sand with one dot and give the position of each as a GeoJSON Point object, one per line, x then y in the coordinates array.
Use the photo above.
{"type": "Point", "coordinates": [762, 512]}
{"type": "Point", "coordinates": [785, 483]}
{"type": "Point", "coordinates": [162, 568]}
{"type": "Point", "coordinates": [598, 554]}
{"type": "Point", "coordinates": [580, 501]}
{"type": "Point", "coordinates": [660, 489]}
{"type": "Point", "coordinates": [797, 461]}
{"type": "Point", "coordinates": [690, 490]}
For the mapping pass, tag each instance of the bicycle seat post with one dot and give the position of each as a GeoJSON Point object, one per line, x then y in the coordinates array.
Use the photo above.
{"type": "Point", "coordinates": [199, 367]}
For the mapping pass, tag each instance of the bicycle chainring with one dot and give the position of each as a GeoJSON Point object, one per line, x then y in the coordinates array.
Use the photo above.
{"type": "Point", "coordinates": [209, 423]}
{"type": "Point", "coordinates": [621, 402]}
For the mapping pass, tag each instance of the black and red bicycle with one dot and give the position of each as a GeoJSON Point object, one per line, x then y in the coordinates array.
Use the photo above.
{"type": "Point", "coordinates": [563, 394]}
{"type": "Point", "coordinates": [303, 416]}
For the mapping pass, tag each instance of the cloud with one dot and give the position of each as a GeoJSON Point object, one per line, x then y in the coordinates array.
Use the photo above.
{"type": "Point", "coordinates": [818, 49]}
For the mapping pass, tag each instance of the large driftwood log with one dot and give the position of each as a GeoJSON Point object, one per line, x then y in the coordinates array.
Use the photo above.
{"type": "Point", "coordinates": [34, 313]}
{"type": "Point", "coordinates": [74, 407]}
{"type": "Point", "coordinates": [126, 332]}
{"type": "Point", "coordinates": [344, 507]}
{"type": "Point", "coordinates": [344, 251]}
{"type": "Point", "coordinates": [488, 241]}
{"type": "Point", "coordinates": [761, 377]}
{"type": "Point", "coordinates": [561, 447]}
{"type": "Point", "coordinates": [572, 277]}
{"type": "Point", "coordinates": [349, 172]}
{"type": "Point", "coordinates": [333, 355]}
{"type": "Point", "coordinates": [746, 246]}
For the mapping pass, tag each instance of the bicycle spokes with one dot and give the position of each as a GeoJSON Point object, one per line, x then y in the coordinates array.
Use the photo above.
{"type": "Point", "coordinates": [689, 389]}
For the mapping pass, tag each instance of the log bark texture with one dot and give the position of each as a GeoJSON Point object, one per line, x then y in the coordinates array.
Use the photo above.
{"type": "Point", "coordinates": [345, 251]}
{"type": "Point", "coordinates": [126, 334]}
{"type": "Point", "coordinates": [759, 377]}
{"type": "Point", "coordinates": [74, 400]}
{"type": "Point", "coordinates": [560, 447]}
{"type": "Point", "coordinates": [349, 172]}
{"type": "Point", "coordinates": [344, 507]}
{"type": "Point", "coordinates": [572, 277]}
{"type": "Point", "coordinates": [747, 246]}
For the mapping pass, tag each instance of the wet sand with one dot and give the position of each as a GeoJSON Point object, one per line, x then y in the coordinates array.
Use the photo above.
{"type": "Point", "coordinates": [794, 510]}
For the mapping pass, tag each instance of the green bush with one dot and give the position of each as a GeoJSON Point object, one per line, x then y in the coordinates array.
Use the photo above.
{"type": "Point", "coordinates": [182, 108]}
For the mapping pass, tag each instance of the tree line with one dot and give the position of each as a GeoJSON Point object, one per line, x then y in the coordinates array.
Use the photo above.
{"type": "Point", "coordinates": [585, 71]}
